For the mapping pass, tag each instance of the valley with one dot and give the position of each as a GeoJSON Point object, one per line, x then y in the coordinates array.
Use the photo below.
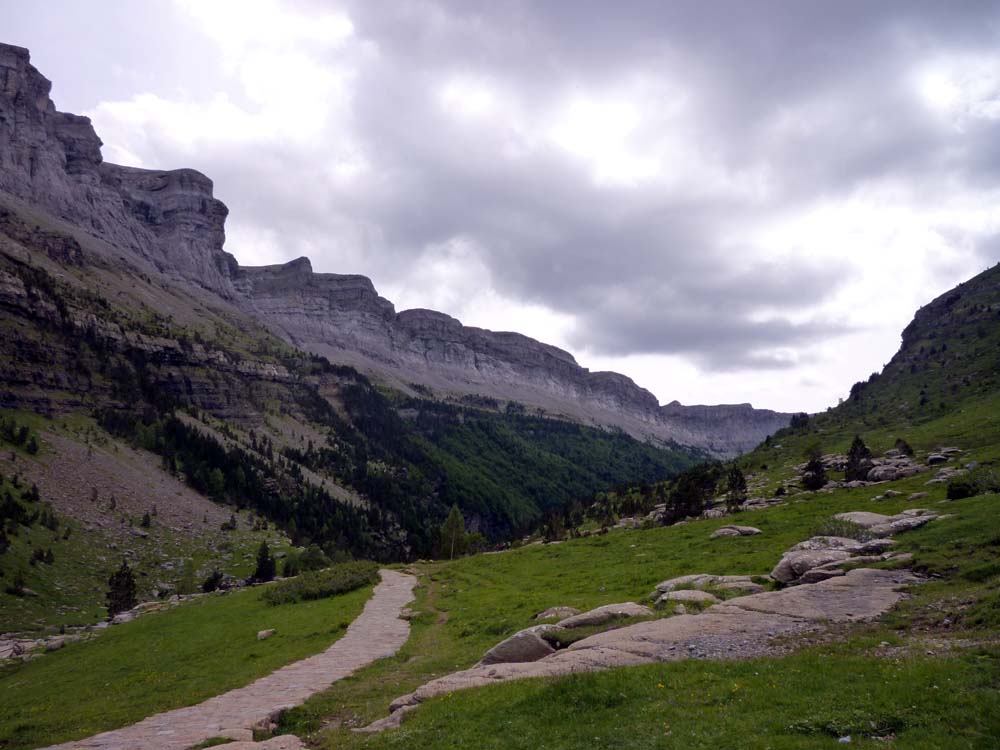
{"type": "Point", "coordinates": [258, 505]}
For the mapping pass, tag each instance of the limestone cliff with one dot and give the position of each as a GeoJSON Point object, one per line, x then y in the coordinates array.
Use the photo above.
{"type": "Point", "coordinates": [52, 160]}
{"type": "Point", "coordinates": [170, 219]}
{"type": "Point", "coordinates": [343, 318]}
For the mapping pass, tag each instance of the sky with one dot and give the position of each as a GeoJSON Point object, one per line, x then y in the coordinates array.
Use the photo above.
{"type": "Point", "coordinates": [729, 202]}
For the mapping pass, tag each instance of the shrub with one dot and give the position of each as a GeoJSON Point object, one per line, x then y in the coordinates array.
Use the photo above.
{"type": "Point", "coordinates": [849, 529]}
{"type": "Point", "coordinates": [212, 582]}
{"type": "Point", "coordinates": [323, 583]}
{"type": "Point", "coordinates": [814, 477]}
{"type": "Point", "coordinates": [977, 482]}
{"type": "Point", "coordinates": [903, 447]}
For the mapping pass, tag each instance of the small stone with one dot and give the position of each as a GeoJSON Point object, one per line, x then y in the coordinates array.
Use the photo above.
{"type": "Point", "coordinates": [263, 635]}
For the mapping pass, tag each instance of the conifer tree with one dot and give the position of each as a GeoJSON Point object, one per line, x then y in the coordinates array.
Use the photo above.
{"type": "Point", "coordinates": [121, 590]}
{"type": "Point", "coordinates": [858, 460]}
{"type": "Point", "coordinates": [265, 564]}
{"type": "Point", "coordinates": [736, 489]}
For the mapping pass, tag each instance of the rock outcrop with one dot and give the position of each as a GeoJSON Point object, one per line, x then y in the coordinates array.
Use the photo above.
{"type": "Point", "coordinates": [747, 627]}
{"type": "Point", "coordinates": [52, 160]}
{"type": "Point", "coordinates": [343, 318]}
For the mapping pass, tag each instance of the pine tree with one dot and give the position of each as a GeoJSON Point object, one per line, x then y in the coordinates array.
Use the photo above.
{"type": "Point", "coordinates": [736, 486]}
{"type": "Point", "coordinates": [814, 476]}
{"type": "Point", "coordinates": [265, 564]}
{"type": "Point", "coordinates": [121, 590]}
{"type": "Point", "coordinates": [858, 460]}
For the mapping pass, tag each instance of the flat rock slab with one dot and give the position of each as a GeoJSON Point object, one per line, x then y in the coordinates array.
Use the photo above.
{"type": "Point", "coordinates": [377, 633]}
{"type": "Point", "coordinates": [604, 614]}
{"type": "Point", "coordinates": [557, 612]}
{"type": "Point", "coordinates": [741, 628]}
{"type": "Point", "coordinates": [724, 531]}
{"type": "Point", "coordinates": [283, 742]}
{"type": "Point", "coordinates": [689, 595]}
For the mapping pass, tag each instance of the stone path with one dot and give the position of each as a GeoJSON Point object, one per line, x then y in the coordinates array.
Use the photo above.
{"type": "Point", "coordinates": [740, 628]}
{"type": "Point", "coordinates": [377, 633]}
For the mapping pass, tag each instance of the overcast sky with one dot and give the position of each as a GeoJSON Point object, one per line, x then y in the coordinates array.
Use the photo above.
{"type": "Point", "coordinates": [728, 201]}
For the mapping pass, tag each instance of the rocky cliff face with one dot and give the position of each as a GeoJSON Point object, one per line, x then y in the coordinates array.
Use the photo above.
{"type": "Point", "coordinates": [344, 319]}
{"type": "Point", "coordinates": [52, 160]}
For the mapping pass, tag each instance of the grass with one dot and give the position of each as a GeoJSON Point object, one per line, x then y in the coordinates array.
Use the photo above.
{"type": "Point", "coordinates": [162, 661]}
{"type": "Point", "coordinates": [802, 702]}
{"type": "Point", "coordinates": [467, 606]}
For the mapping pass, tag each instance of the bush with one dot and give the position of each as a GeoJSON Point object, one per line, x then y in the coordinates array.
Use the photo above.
{"type": "Point", "coordinates": [976, 482]}
{"type": "Point", "coordinates": [849, 529]}
{"type": "Point", "coordinates": [323, 583]}
{"type": "Point", "coordinates": [212, 582]}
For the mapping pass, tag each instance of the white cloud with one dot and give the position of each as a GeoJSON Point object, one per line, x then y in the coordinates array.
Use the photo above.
{"type": "Point", "coordinates": [491, 170]}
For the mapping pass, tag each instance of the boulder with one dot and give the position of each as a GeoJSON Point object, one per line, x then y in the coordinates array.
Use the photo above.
{"type": "Point", "coordinates": [936, 458]}
{"type": "Point", "coordinates": [883, 525]}
{"type": "Point", "coordinates": [557, 612]}
{"type": "Point", "coordinates": [826, 542]}
{"type": "Point", "coordinates": [732, 530]}
{"type": "Point", "coordinates": [526, 645]}
{"type": "Point", "coordinates": [899, 525]}
{"type": "Point", "coordinates": [821, 573]}
{"type": "Point", "coordinates": [743, 586]}
{"type": "Point", "coordinates": [604, 614]}
{"type": "Point", "coordinates": [918, 495]}
{"type": "Point", "coordinates": [795, 563]}
{"type": "Point", "coordinates": [263, 635]}
{"type": "Point", "coordinates": [863, 518]}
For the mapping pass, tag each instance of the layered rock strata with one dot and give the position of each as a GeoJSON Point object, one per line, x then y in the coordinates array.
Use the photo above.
{"type": "Point", "coordinates": [343, 318]}
{"type": "Point", "coordinates": [52, 161]}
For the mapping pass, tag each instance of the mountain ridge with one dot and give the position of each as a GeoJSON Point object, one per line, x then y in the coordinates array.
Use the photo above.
{"type": "Point", "coordinates": [171, 219]}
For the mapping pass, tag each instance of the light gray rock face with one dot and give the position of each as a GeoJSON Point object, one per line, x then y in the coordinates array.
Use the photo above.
{"type": "Point", "coordinates": [343, 318]}
{"type": "Point", "coordinates": [53, 160]}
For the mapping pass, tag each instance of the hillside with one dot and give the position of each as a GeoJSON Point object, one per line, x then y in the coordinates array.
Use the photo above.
{"type": "Point", "coordinates": [169, 224]}
{"type": "Point", "coordinates": [149, 390]}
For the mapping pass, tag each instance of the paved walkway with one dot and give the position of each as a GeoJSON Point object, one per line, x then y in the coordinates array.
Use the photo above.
{"type": "Point", "coordinates": [378, 632]}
